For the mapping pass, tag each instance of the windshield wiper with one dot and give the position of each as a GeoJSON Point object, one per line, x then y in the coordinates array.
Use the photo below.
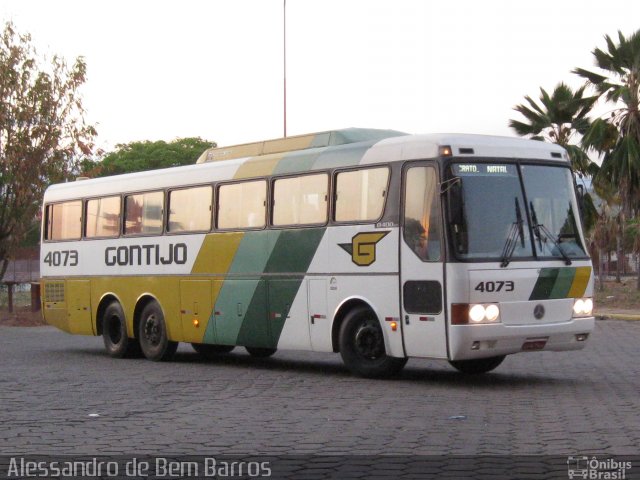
{"type": "Point", "coordinates": [541, 231]}
{"type": "Point", "coordinates": [516, 230]}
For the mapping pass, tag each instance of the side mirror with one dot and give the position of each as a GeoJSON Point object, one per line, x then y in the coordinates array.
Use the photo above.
{"type": "Point", "coordinates": [455, 203]}
{"type": "Point", "coordinates": [580, 192]}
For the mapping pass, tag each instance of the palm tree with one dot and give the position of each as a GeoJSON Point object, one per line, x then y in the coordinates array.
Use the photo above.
{"type": "Point", "coordinates": [617, 136]}
{"type": "Point", "coordinates": [557, 119]}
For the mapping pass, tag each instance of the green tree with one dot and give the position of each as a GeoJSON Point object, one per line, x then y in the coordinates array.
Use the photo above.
{"type": "Point", "coordinates": [146, 155]}
{"type": "Point", "coordinates": [42, 131]}
{"type": "Point", "coordinates": [617, 136]}
{"type": "Point", "coordinates": [558, 118]}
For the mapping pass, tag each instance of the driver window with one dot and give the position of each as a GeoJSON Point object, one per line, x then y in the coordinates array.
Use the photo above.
{"type": "Point", "coordinates": [421, 213]}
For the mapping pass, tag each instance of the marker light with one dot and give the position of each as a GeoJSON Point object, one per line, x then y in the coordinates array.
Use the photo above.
{"type": "Point", "coordinates": [394, 326]}
{"type": "Point", "coordinates": [445, 151]}
{"type": "Point", "coordinates": [196, 322]}
{"type": "Point", "coordinates": [582, 307]}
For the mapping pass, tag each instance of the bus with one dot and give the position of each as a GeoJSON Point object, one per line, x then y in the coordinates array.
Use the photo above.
{"type": "Point", "coordinates": [374, 244]}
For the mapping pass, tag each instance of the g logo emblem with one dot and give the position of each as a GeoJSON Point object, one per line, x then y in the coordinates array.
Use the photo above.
{"type": "Point", "coordinates": [363, 247]}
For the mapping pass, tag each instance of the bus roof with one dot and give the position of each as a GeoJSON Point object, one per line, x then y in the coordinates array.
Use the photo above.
{"type": "Point", "coordinates": [305, 153]}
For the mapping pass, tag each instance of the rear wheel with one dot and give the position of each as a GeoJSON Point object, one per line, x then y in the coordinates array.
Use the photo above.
{"type": "Point", "coordinates": [152, 333]}
{"type": "Point", "coordinates": [114, 333]}
{"type": "Point", "coordinates": [362, 346]}
{"type": "Point", "coordinates": [211, 351]}
{"type": "Point", "coordinates": [478, 365]}
{"type": "Point", "coordinates": [260, 352]}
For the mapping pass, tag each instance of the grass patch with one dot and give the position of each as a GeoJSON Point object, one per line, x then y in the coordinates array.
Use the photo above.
{"type": "Point", "coordinates": [623, 295]}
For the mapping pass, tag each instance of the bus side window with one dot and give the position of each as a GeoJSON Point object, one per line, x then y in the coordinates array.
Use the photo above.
{"type": "Point", "coordinates": [242, 205]}
{"type": "Point", "coordinates": [190, 210]}
{"type": "Point", "coordinates": [421, 219]}
{"type": "Point", "coordinates": [143, 213]}
{"type": "Point", "coordinates": [102, 217]}
{"type": "Point", "coordinates": [64, 221]}
{"type": "Point", "coordinates": [300, 200]}
{"type": "Point", "coordinates": [360, 194]}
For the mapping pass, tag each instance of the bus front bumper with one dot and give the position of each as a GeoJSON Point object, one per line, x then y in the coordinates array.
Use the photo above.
{"type": "Point", "coordinates": [480, 341]}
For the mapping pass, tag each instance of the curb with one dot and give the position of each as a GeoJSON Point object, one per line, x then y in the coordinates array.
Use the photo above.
{"type": "Point", "coordinates": [617, 316]}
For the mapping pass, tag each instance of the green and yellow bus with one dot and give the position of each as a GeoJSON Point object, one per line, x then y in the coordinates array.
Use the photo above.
{"type": "Point", "coordinates": [375, 244]}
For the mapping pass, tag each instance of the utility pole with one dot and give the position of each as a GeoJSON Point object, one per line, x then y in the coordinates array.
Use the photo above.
{"type": "Point", "coordinates": [284, 38]}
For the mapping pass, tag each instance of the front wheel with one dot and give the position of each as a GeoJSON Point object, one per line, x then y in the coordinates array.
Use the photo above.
{"type": "Point", "coordinates": [362, 346]}
{"type": "Point", "coordinates": [152, 333]}
{"type": "Point", "coordinates": [478, 365]}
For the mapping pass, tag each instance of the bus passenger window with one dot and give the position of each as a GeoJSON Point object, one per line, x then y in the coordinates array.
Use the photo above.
{"type": "Point", "coordinates": [190, 210]}
{"type": "Point", "coordinates": [64, 221]}
{"type": "Point", "coordinates": [103, 217]}
{"type": "Point", "coordinates": [300, 200]}
{"type": "Point", "coordinates": [421, 218]}
{"type": "Point", "coordinates": [242, 205]}
{"type": "Point", "coordinates": [360, 194]}
{"type": "Point", "coordinates": [143, 213]}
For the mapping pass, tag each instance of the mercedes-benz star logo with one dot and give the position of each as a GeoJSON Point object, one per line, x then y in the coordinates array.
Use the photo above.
{"type": "Point", "coordinates": [538, 311]}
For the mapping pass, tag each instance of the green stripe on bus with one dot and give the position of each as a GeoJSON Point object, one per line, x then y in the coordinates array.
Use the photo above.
{"type": "Point", "coordinates": [269, 308]}
{"type": "Point", "coordinates": [236, 295]}
{"type": "Point", "coordinates": [341, 156]}
{"type": "Point", "coordinates": [563, 283]}
{"type": "Point", "coordinates": [544, 285]}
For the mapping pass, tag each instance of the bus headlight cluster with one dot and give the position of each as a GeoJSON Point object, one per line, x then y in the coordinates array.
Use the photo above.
{"type": "Point", "coordinates": [483, 313]}
{"type": "Point", "coordinates": [475, 313]}
{"type": "Point", "coordinates": [582, 307]}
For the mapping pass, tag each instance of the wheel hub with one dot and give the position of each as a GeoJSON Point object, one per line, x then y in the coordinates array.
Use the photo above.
{"type": "Point", "coordinates": [115, 333]}
{"type": "Point", "coordinates": [369, 343]}
{"type": "Point", "coordinates": [152, 330]}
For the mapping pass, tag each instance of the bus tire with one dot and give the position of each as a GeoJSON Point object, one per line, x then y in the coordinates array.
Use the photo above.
{"type": "Point", "coordinates": [260, 352]}
{"type": "Point", "coordinates": [362, 346]}
{"type": "Point", "coordinates": [477, 365]}
{"type": "Point", "coordinates": [209, 351]}
{"type": "Point", "coordinates": [152, 333]}
{"type": "Point", "coordinates": [114, 333]}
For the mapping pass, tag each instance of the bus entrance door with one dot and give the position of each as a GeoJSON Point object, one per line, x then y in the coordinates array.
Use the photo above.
{"type": "Point", "coordinates": [421, 267]}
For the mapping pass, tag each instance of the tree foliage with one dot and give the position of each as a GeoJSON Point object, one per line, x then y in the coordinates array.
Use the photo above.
{"type": "Point", "coordinates": [558, 118]}
{"type": "Point", "coordinates": [42, 131]}
{"type": "Point", "coordinates": [617, 136]}
{"type": "Point", "coordinates": [147, 155]}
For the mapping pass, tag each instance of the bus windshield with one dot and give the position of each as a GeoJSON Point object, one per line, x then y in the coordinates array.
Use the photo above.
{"type": "Point", "coordinates": [494, 217]}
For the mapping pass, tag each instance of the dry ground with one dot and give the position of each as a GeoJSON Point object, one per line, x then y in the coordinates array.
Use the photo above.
{"type": "Point", "coordinates": [619, 296]}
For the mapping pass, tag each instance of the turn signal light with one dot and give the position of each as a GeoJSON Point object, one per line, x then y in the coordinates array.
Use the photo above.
{"type": "Point", "coordinates": [196, 322]}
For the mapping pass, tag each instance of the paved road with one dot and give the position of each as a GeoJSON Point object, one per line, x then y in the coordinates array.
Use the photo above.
{"type": "Point", "coordinates": [52, 386]}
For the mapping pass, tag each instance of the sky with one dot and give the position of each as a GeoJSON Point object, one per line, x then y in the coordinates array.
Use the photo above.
{"type": "Point", "coordinates": [160, 70]}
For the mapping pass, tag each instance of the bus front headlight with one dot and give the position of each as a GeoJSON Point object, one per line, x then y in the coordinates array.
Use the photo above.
{"type": "Point", "coordinates": [474, 314]}
{"type": "Point", "coordinates": [582, 307]}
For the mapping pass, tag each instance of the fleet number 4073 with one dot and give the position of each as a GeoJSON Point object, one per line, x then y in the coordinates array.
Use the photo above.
{"type": "Point", "coordinates": [62, 258]}
{"type": "Point", "coordinates": [497, 286]}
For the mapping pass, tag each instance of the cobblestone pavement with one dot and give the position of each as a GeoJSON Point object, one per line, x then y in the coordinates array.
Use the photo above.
{"type": "Point", "coordinates": [61, 394]}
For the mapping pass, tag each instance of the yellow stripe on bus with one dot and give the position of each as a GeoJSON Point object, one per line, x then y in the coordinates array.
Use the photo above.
{"type": "Point", "coordinates": [580, 282]}
{"type": "Point", "coordinates": [217, 252]}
